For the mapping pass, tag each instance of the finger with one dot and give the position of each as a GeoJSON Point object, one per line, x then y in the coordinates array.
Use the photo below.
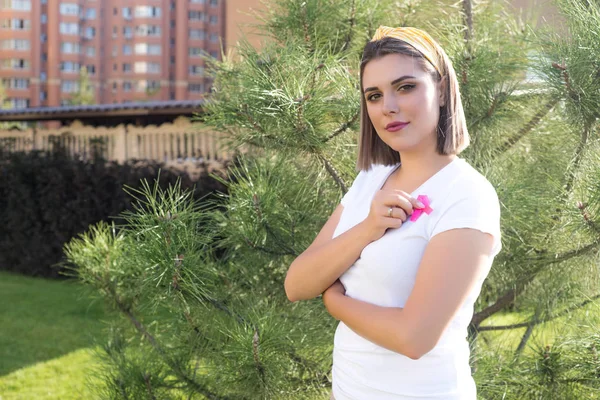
{"type": "Point", "coordinates": [413, 200]}
{"type": "Point", "coordinates": [399, 201]}
{"type": "Point", "coordinates": [400, 214]}
{"type": "Point", "coordinates": [393, 222]}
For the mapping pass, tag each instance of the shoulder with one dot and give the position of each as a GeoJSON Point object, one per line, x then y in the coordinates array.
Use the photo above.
{"type": "Point", "coordinates": [372, 175]}
{"type": "Point", "coordinates": [472, 184]}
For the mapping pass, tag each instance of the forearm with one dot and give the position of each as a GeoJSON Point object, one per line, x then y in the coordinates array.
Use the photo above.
{"type": "Point", "coordinates": [316, 269]}
{"type": "Point", "coordinates": [385, 326]}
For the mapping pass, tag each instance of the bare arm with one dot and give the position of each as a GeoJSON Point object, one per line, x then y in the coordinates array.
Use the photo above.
{"type": "Point", "coordinates": [451, 266]}
{"type": "Point", "coordinates": [327, 258]}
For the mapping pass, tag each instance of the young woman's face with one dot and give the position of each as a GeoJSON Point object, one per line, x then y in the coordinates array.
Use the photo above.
{"type": "Point", "coordinates": [403, 102]}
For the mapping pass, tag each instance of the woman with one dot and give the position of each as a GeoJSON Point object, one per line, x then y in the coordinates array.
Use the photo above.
{"type": "Point", "coordinates": [401, 260]}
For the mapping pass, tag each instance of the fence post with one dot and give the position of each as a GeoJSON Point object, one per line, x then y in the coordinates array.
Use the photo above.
{"type": "Point", "coordinates": [120, 154]}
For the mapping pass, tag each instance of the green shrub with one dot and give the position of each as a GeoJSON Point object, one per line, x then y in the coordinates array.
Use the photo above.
{"type": "Point", "coordinates": [48, 198]}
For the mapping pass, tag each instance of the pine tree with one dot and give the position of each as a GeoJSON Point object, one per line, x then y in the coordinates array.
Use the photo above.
{"type": "Point", "coordinates": [200, 285]}
{"type": "Point", "coordinates": [85, 91]}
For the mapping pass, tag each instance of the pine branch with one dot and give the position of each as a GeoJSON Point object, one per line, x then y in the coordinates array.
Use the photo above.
{"type": "Point", "coordinates": [334, 174]}
{"type": "Point", "coordinates": [572, 172]}
{"type": "Point", "coordinates": [149, 387]}
{"type": "Point", "coordinates": [506, 299]}
{"type": "Point", "coordinates": [154, 343]}
{"type": "Point", "coordinates": [536, 321]}
{"type": "Point", "coordinates": [344, 127]}
{"type": "Point", "coordinates": [352, 21]}
{"type": "Point", "coordinates": [468, 14]}
{"type": "Point", "coordinates": [255, 350]}
{"type": "Point", "coordinates": [528, 127]}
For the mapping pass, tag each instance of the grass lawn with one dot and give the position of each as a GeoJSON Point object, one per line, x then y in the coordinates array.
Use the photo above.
{"type": "Point", "coordinates": [48, 331]}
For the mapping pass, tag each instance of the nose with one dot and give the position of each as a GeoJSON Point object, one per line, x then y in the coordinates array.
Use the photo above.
{"type": "Point", "coordinates": [390, 105]}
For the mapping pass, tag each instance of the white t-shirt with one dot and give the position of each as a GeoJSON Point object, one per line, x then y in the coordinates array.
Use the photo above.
{"type": "Point", "coordinates": [384, 275]}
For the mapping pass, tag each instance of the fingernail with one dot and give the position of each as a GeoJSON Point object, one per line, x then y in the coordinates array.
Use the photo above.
{"type": "Point", "coordinates": [420, 205]}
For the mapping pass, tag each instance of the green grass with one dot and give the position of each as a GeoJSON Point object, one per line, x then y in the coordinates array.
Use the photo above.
{"type": "Point", "coordinates": [48, 330]}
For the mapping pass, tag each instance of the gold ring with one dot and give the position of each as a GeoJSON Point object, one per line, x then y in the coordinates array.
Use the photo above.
{"type": "Point", "coordinates": [390, 210]}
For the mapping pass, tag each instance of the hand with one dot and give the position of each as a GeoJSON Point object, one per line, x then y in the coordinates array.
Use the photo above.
{"type": "Point", "coordinates": [336, 289]}
{"type": "Point", "coordinates": [379, 219]}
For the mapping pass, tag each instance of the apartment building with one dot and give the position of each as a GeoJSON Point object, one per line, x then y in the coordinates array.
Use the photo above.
{"type": "Point", "coordinates": [133, 50]}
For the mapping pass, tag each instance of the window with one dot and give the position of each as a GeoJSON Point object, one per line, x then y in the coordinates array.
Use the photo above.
{"type": "Point", "coordinates": [196, 87]}
{"type": "Point", "coordinates": [114, 32]}
{"type": "Point", "coordinates": [90, 51]}
{"type": "Point", "coordinates": [214, 54]}
{"type": "Point", "coordinates": [142, 67]}
{"type": "Point", "coordinates": [127, 32]}
{"type": "Point", "coordinates": [15, 63]}
{"type": "Point", "coordinates": [43, 95]}
{"type": "Point", "coordinates": [90, 13]}
{"type": "Point", "coordinates": [145, 48]}
{"type": "Point", "coordinates": [172, 23]}
{"type": "Point", "coordinates": [43, 38]}
{"type": "Point", "coordinates": [44, 57]}
{"type": "Point", "coordinates": [195, 51]}
{"type": "Point", "coordinates": [44, 18]}
{"type": "Point", "coordinates": [196, 70]}
{"type": "Point", "coordinates": [90, 32]}
{"type": "Point", "coordinates": [197, 34]}
{"type": "Point", "coordinates": [213, 3]}
{"type": "Point", "coordinates": [70, 48]}
{"type": "Point", "coordinates": [127, 13]}
{"type": "Point", "coordinates": [69, 66]}
{"type": "Point", "coordinates": [198, 1]}
{"type": "Point", "coordinates": [69, 86]}
{"type": "Point", "coordinates": [145, 85]}
{"type": "Point", "coordinates": [147, 12]}
{"type": "Point", "coordinates": [213, 19]}
{"type": "Point", "coordinates": [115, 51]}
{"type": "Point", "coordinates": [147, 30]}
{"type": "Point", "coordinates": [16, 83]}
{"type": "Point", "coordinates": [127, 67]}
{"type": "Point", "coordinates": [19, 5]}
{"type": "Point", "coordinates": [115, 11]}
{"type": "Point", "coordinates": [127, 86]}
{"type": "Point", "coordinates": [16, 24]}
{"type": "Point", "coordinates": [214, 37]}
{"type": "Point", "coordinates": [194, 15]}
{"type": "Point", "coordinates": [69, 28]}
{"type": "Point", "coordinates": [114, 87]}
{"type": "Point", "coordinates": [15, 44]}
{"type": "Point", "coordinates": [69, 9]}
{"type": "Point", "coordinates": [18, 103]}
{"type": "Point", "coordinates": [127, 50]}
{"type": "Point", "coordinates": [43, 77]}
{"type": "Point", "coordinates": [91, 69]}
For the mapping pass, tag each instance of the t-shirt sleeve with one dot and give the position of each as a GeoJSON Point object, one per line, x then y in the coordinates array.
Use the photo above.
{"type": "Point", "coordinates": [356, 187]}
{"type": "Point", "coordinates": [474, 206]}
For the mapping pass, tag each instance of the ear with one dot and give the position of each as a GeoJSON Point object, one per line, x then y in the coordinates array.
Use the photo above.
{"type": "Point", "coordinates": [442, 90]}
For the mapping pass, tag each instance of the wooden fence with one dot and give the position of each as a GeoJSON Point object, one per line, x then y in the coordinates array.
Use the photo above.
{"type": "Point", "coordinates": [180, 140]}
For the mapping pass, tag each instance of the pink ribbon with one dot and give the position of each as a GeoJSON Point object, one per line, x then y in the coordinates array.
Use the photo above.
{"type": "Point", "coordinates": [418, 211]}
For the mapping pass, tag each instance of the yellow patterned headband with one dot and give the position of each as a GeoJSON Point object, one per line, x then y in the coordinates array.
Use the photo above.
{"type": "Point", "coordinates": [417, 38]}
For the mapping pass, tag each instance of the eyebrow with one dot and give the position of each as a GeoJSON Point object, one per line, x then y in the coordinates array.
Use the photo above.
{"type": "Point", "coordinates": [369, 89]}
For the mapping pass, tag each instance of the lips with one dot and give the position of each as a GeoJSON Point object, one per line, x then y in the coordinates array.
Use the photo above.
{"type": "Point", "coordinates": [395, 126]}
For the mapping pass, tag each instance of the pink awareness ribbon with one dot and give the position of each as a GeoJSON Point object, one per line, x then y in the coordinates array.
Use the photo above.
{"type": "Point", "coordinates": [417, 212]}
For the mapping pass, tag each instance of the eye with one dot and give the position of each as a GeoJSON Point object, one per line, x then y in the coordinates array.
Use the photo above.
{"type": "Point", "coordinates": [405, 88]}
{"type": "Point", "coordinates": [373, 97]}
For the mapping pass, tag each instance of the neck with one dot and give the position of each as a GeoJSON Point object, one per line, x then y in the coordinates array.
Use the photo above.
{"type": "Point", "coordinates": [419, 166]}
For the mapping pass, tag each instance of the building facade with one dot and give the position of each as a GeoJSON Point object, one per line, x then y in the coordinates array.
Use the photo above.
{"type": "Point", "coordinates": [133, 50]}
